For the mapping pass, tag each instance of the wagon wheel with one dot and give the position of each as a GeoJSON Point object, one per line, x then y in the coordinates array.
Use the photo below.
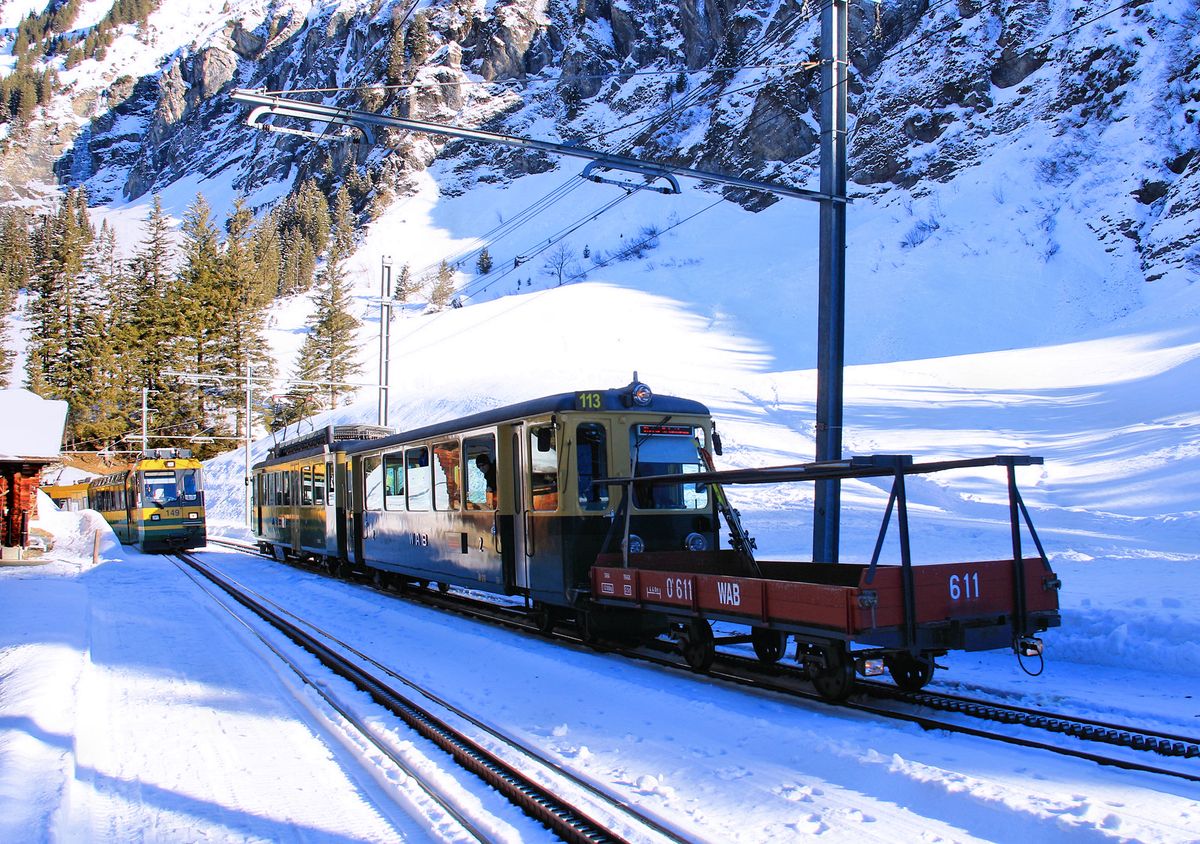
{"type": "Point", "coordinates": [382, 579]}
{"type": "Point", "coordinates": [769, 645]}
{"type": "Point", "coordinates": [698, 646]}
{"type": "Point", "coordinates": [835, 679]}
{"type": "Point", "coordinates": [909, 672]}
{"type": "Point", "coordinates": [334, 566]}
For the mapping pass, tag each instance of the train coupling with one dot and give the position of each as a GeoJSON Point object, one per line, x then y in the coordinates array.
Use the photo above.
{"type": "Point", "coordinates": [1028, 646]}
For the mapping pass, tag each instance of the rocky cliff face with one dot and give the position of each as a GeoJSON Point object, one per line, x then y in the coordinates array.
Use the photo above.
{"type": "Point", "coordinates": [1105, 105]}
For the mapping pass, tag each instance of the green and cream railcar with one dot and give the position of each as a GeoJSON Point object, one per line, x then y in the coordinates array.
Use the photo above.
{"type": "Point", "coordinates": [502, 501]}
{"type": "Point", "coordinates": [157, 504]}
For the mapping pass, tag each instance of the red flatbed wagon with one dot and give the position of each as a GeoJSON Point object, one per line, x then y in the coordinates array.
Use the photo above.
{"type": "Point", "coordinates": [903, 615]}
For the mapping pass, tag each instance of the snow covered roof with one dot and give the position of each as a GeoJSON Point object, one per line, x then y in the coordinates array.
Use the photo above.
{"type": "Point", "coordinates": [32, 427]}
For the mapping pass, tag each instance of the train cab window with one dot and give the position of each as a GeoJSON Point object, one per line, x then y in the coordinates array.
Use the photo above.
{"type": "Point", "coordinates": [592, 459]}
{"type": "Point", "coordinates": [543, 468]}
{"type": "Point", "coordinates": [480, 478]}
{"type": "Point", "coordinates": [373, 483]}
{"type": "Point", "coordinates": [318, 475]}
{"type": "Point", "coordinates": [160, 487]}
{"type": "Point", "coordinates": [446, 476]}
{"type": "Point", "coordinates": [393, 481]}
{"type": "Point", "coordinates": [189, 484]}
{"type": "Point", "coordinates": [306, 486]}
{"type": "Point", "coordinates": [664, 449]}
{"type": "Point", "coordinates": [416, 466]}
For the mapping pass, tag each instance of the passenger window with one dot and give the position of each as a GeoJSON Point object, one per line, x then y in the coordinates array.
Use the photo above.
{"type": "Point", "coordinates": [319, 484]}
{"type": "Point", "coordinates": [373, 482]}
{"type": "Point", "coordinates": [416, 461]}
{"type": "Point", "coordinates": [480, 462]}
{"type": "Point", "coordinates": [543, 468]}
{"type": "Point", "coordinates": [393, 481]}
{"type": "Point", "coordinates": [306, 486]}
{"type": "Point", "coordinates": [329, 481]}
{"type": "Point", "coordinates": [286, 478]}
{"type": "Point", "coordinates": [446, 481]}
{"type": "Point", "coordinates": [592, 460]}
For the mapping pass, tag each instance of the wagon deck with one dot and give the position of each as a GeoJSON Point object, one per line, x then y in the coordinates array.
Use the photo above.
{"type": "Point", "coordinates": [927, 609]}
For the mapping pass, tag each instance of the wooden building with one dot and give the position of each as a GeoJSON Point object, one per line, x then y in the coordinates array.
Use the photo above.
{"type": "Point", "coordinates": [31, 430]}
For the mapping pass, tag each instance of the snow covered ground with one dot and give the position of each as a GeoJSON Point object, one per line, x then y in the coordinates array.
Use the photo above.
{"type": "Point", "coordinates": [132, 709]}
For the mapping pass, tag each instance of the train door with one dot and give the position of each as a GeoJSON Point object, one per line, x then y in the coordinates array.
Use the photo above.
{"type": "Point", "coordinates": [332, 533]}
{"type": "Point", "coordinates": [354, 538]}
{"type": "Point", "coordinates": [521, 548]}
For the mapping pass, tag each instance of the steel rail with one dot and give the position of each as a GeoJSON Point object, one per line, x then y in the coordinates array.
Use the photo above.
{"type": "Point", "coordinates": [192, 571]}
{"type": "Point", "coordinates": [565, 820]}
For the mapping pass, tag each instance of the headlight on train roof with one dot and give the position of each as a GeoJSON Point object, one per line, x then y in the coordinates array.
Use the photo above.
{"type": "Point", "coordinates": [636, 545]}
{"type": "Point", "coordinates": [695, 542]}
{"type": "Point", "coordinates": [641, 394]}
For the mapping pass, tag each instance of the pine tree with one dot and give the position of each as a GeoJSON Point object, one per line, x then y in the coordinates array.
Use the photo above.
{"type": "Point", "coordinates": [328, 351]}
{"type": "Point", "coordinates": [56, 311]}
{"type": "Point", "coordinates": [484, 263]}
{"type": "Point", "coordinates": [405, 285]}
{"type": "Point", "coordinates": [443, 286]}
{"type": "Point", "coordinates": [396, 65]}
{"type": "Point", "coordinates": [247, 295]}
{"type": "Point", "coordinates": [103, 399]}
{"type": "Point", "coordinates": [155, 322]}
{"type": "Point", "coordinates": [200, 300]}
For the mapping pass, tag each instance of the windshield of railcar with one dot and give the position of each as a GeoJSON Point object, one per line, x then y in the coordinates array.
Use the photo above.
{"type": "Point", "coordinates": [172, 487]}
{"type": "Point", "coordinates": [662, 449]}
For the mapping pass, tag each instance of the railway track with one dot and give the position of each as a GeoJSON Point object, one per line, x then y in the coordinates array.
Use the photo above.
{"type": "Point", "coordinates": [526, 778]}
{"type": "Point", "coordinates": [1104, 743]}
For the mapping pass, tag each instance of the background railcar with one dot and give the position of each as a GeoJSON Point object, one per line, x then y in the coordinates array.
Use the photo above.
{"type": "Point", "coordinates": [157, 504]}
{"type": "Point", "coordinates": [68, 496]}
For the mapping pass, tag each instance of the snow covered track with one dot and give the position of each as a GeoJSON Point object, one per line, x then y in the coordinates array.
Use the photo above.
{"type": "Point", "coordinates": [1102, 742]}
{"type": "Point", "coordinates": [594, 816]}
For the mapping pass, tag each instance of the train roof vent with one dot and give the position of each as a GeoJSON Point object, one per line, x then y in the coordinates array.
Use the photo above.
{"type": "Point", "coordinates": [328, 435]}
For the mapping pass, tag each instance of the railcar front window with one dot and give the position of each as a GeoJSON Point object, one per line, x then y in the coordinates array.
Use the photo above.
{"type": "Point", "coordinates": [665, 449]}
{"type": "Point", "coordinates": [189, 483]}
{"type": "Point", "coordinates": [161, 488]}
{"type": "Point", "coordinates": [592, 459]}
{"type": "Point", "coordinates": [543, 467]}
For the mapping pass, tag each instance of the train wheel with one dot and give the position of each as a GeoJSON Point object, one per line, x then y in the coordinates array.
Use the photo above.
{"type": "Point", "coordinates": [909, 672]}
{"type": "Point", "coordinates": [381, 579]}
{"type": "Point", "coordinates": [698, 645]}
{"type": "Point", "coordinates": [544, 617]}
{"type": "Point", "coordinates": [443, 588]}
{"type": "Point", "coordinates": [834, 679]}
{"type": "Point", "coordinates": [769, 645]}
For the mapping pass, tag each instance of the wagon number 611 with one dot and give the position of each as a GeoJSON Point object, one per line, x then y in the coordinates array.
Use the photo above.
{"type": "Point", "coordinates": [966, 586]}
